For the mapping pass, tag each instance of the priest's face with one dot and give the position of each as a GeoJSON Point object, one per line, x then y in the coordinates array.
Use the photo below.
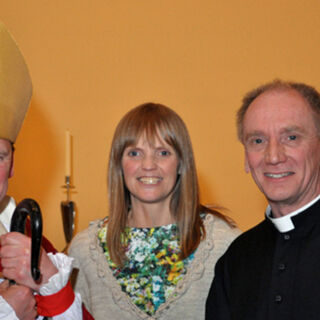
{"type": "Point", "coordinates": [282, 149]}
{"type": "Point", "coordinates": [6, 166]}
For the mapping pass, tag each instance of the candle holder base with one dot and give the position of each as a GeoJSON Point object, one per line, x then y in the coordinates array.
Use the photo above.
{"type": "Point", "coordinates": [68, 214]}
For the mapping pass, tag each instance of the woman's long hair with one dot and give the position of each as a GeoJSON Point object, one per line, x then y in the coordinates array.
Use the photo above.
{"type": "Point", "coordinates": [155, 120]}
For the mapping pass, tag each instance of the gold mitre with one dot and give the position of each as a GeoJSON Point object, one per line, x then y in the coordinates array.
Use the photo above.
{"type": "Point", "coordinates": [15, 87]}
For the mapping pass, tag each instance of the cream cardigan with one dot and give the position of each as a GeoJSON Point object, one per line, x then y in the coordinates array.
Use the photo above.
{"type": "Point", "coordinates": [104, 299]}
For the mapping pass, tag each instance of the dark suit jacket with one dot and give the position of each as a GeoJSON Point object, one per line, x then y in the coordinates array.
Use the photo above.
{"type": "Point", "coordinates": [266, 274]}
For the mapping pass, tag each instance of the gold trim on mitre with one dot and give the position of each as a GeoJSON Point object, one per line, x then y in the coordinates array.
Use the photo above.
{"type": "Point", "coordinates": [15, 87]}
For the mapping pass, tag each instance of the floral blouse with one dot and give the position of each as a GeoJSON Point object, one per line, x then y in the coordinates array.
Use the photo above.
{"type": "Point", "coordinates": [152, 269]}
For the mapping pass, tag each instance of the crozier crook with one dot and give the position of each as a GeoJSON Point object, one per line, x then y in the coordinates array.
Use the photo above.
{"type": "Point", "coordinates": [29, 207]}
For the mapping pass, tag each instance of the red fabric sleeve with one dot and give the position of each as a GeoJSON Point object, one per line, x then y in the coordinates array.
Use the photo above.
{"type": "Point", "coordinates": [85, 314]}
{"type": "Point", "coordinates": [56, 303]}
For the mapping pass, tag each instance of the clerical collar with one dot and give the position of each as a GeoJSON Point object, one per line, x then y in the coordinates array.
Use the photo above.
{"type": "Point", "coordinates": [285, 224]}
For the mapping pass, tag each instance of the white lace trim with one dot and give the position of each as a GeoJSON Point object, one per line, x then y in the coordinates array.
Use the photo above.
{"type": "Point", "coordinates": [59, 280]}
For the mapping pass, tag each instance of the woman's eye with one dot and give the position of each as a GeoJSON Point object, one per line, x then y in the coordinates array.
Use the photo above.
{"type": "Point", "coordinates": [164, 153]}
{"type": "Point", "coordinates": [133, 153]}
{"type": "Point", "coordinates": [292, 137]}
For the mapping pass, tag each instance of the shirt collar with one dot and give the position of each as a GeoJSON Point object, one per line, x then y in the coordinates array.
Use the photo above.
{"type": "Point", "coordinates": [285, 224]}
{"type": "Point", "coordinates": [6, 214]}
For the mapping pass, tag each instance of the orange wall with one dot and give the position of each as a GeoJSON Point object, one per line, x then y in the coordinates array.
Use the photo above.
{"type": "Point", "coordinates": [92, 60]}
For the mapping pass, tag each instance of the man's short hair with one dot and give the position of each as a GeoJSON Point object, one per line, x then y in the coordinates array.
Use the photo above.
{"type": "Point", "coordinates": [309, 93]}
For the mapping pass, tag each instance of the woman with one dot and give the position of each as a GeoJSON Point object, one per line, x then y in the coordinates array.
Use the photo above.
{"type": "Point", "coordinates": [153, 257]}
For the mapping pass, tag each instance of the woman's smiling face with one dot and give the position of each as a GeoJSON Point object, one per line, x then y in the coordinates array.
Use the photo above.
{"type": "Point", "coordinates": [150, 170]}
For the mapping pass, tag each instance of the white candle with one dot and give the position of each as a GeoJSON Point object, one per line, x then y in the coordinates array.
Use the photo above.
{"type": "Point", "coordinates": [68, 153]}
